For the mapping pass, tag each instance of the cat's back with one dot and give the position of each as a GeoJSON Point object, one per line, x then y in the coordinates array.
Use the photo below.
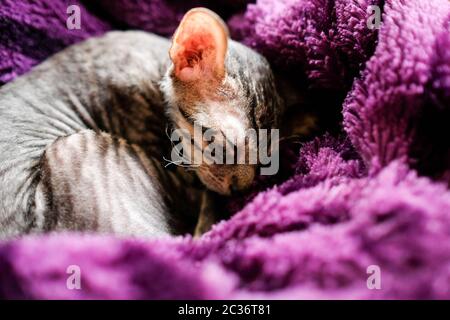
{"type": "Point", "coordinates": [65, 94]}
{"type": "Point", "coordinates": [72, 78]}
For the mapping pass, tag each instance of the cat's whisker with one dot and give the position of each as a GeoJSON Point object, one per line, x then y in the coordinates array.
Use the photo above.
{"type": "Point", "coordinates": [167, 132]}
{"type": "Point", "coordinates": [179, 163]}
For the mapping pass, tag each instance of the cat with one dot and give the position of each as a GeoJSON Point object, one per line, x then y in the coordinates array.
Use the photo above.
{"type": "Point", "coordinates": [84, 135]}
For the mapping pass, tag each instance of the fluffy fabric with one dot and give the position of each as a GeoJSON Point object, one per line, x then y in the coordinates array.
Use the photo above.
{"type": "Point", "coordinates": [30, 31]}
{"type": "Point", "coordinates": [327, 40]}
{"type": "Point", "coordinates": [370, 198]}
{"type": "Point", "coordinates": [387, 111]}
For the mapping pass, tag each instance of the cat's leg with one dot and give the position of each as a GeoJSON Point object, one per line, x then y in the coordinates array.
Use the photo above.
{"type": "Point", "coordinates": [91, 181]}
{"type": "Point", "coordinates": [208, 214]}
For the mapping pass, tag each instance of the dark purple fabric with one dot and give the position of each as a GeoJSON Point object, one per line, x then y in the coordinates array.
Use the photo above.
{"type": "Point", "coordinates": [160, 16]}
{"type": "Point", "coordinates": [375, 196]}
{"type": "Point", "coordinates": [30, 31]}
{"type": "Point", "coordinates": [328, 40]}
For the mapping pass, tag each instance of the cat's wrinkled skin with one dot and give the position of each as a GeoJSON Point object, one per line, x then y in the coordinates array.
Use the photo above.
{"type": "Point", "coordinates": [83, 135]}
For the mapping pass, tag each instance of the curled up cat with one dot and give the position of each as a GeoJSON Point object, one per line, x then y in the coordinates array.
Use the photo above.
{"type": "Point", "coordinates": [84, 135]}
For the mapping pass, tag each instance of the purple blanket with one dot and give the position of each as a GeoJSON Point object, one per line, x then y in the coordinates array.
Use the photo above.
{"type": "Point", "coordinates": [374, 203]}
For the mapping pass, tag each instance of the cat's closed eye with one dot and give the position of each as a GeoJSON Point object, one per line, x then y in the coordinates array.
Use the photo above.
{"type": "Point", "coordinates": [186, 116]}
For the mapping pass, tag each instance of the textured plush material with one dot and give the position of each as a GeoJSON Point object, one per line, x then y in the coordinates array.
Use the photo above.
{"type": "Point", "coordinates": [378, 195]}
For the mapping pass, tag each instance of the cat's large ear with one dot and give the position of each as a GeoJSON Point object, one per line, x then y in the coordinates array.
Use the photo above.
{"type": "Point", "coordinates": [199, 46]}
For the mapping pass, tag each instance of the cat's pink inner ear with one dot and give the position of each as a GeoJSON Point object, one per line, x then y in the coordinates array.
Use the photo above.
{"type": "Point", "coordinates": [199, 46]}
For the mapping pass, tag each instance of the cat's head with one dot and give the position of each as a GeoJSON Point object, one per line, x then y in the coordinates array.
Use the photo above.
{"type": "Point", "coordinates": [219, 84]}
